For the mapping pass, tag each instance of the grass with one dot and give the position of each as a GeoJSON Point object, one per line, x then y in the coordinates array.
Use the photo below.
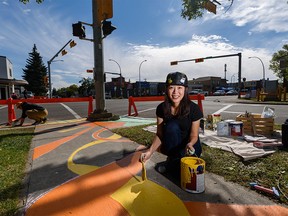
{"type": "Point", "coordinates": [14, 150]}
{"type": "Point", "coordinates": [270, 171]}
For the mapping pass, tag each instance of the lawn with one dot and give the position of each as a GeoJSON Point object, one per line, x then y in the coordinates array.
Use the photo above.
{"type": "Point", "coordinates": [14, 150]}
{"type": "Point", "coordinates": [270, 171]}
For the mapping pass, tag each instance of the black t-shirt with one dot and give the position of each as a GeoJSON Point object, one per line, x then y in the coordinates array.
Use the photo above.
{"type": "Point", "coordinates": [29, 106]}
{"type": "Point", "coordinates": [184, 122]}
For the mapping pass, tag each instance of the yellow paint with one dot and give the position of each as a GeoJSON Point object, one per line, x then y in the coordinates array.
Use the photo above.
{"type": "Point", "coordinates": [71, 129]}
{"type": "Point", "coordinates": [144, 176]}
{"type": "Point", "coordinates": [148, 198]}
{"type": "Point", "coordinates": [136, 194]}
{"type": "Point", "coordinates": [82, 169]}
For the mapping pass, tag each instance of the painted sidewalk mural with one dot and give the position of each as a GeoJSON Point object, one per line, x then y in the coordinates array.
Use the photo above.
{"type": "Point", "coordinates": [117, 187]}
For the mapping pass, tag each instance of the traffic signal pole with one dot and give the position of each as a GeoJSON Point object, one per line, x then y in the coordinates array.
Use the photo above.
{"type": "Point", "coordinates": [49, 67]}
{"type": "Point", "coordinates": [222, 56]}
{"type": "Point", "coordinates": [98, 73]}
{"type": "Point", "coordinates": [98, 60]}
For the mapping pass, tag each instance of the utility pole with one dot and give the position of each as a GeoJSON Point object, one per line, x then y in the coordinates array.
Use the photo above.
{"type": "Point", "coordinates": [101, 11]}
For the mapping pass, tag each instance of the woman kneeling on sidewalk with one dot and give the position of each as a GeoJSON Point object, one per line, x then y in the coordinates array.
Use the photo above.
{"type": "Point", "coordinates": [32, 111]}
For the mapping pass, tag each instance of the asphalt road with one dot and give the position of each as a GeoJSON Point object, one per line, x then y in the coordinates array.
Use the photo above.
{"type": "Point", "coordinates": [227, 106]}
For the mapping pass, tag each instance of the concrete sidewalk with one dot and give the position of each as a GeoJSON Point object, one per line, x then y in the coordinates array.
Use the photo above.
{"type": "Point", "coordinates": [82, 168]}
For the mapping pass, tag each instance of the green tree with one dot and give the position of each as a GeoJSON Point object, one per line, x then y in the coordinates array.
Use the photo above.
{"type": "Point", "coordinates": [34, 73]}
{"type": "Point", "coordinates": [282, 73]}
{"type": "Point", "coordinates": [87, 84]}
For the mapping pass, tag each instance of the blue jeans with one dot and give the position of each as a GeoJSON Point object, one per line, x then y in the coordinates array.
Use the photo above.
{"type": "Point", "coordinates": [174, 145]}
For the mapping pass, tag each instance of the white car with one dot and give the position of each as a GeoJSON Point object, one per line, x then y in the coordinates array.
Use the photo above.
{"type": "Point", "coordinates": [219, 92]}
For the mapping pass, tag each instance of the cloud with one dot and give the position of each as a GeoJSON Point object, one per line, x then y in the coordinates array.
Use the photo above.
{"type": "Point", "coordinates": [264, 15]}
{"type": "Point", "coordinates": [177, 39]}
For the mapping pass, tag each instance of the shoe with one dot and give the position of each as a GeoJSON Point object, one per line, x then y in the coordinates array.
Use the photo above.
{"type": "Point", "coordinates": [44, 120]}
{"type": "Point", "coordinates": [36, 123]}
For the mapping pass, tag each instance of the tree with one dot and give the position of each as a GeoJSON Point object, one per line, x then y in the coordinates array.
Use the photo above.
{"type": "Point", "coordinates": [87, 85]}
{"type": "Point", "coordinates": [282, 73]}
{"type": "Point", "coordinates": [35, 72]}
{"type": "Point", "coordinates": [193, 9]}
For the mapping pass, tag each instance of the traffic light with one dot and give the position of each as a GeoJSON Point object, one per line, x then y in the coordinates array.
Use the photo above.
{"type": "Point", "coordinates": [174, 63]}
{"type": "Point", "coordinates": [72, 44]}
{"type": "Point", "coordinates": [107, 28]}
{"type": "Point", "coordinates": [63, 52]}
{"type": "Point", "coordinates": [199, 60]}
{"type": "Point", "coordinates": [78, 30]}
{"type": "Point", "coordinates": [45, 79]}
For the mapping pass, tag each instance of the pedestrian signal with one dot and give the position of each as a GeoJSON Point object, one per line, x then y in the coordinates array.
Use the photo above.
{"type": "Point", "coordinates": [78, 30]}
{"type": "Point", "coordinates": [107, 27]}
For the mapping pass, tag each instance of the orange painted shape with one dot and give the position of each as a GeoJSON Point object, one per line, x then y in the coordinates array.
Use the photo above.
{"type": "Point", "coordinates": [111, 125]}
{"type": "Point", "coordinates": [89, 194]}
{"type": "Point", "coordinates": [44, 149]}
{"type": "Point", "coordinates": [207, 209]}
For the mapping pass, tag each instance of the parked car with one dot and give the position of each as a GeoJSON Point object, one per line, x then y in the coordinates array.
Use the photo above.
{"type": "Point", "coordinates": [219, 92]}
{"type": "Point", "coordinates": [107, 95]}
{"type": "Point", "coordinates": [198, 91]}
{"type": "Point", "coordinates": [29, 94]}
{"type": "Point", "coordinates": [232, 92]}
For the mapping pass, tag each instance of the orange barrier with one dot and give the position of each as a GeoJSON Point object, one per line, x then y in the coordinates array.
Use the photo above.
{"type": "Point", "coordinates": [132, 101]}
{"type": "Point", "coordinates": [11, 111]}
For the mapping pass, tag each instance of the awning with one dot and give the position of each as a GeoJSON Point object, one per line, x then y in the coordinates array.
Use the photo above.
{"type": "Point", "coordinates": [13, 81]}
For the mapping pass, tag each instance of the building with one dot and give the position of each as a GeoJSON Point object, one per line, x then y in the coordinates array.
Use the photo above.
{"type": "Point", "coordinates": [8, 84]}
{"type": "Point", "coordinates": [209, 83]}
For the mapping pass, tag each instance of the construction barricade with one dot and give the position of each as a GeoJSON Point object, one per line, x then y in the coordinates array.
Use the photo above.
{"type": "Point", "coordinates": [132, 101]}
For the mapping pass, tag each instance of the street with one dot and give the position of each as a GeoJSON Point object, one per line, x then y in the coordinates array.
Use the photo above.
{"type": "Point", "coordinates": [227, 106]}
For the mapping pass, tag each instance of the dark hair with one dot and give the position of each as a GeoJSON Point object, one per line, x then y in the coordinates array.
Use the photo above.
{"type": "Point", "coordinates": [184, 106]}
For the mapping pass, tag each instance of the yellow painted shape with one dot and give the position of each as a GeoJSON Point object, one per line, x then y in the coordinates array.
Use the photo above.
{"type": "Point", "coordinates": [82, 169]}
{"type": "Point", "coordinates": [148, 198]}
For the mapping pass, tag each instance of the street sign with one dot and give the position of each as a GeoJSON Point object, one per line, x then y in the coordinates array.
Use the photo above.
{"type": "Point", "coordinates": [199, 60]}
{"type": "Point", "coordinates": [89, 71]}
{"type": "Point", "coordinates": [174, 63]}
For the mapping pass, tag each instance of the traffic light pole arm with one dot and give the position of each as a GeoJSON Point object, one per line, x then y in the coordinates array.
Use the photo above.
{"type": "Point", "coordinates": [222, 56]}
{"type": "Point", "coordinates": [59, 52]}
{"type": "Point", "coordinates": [49, 68]}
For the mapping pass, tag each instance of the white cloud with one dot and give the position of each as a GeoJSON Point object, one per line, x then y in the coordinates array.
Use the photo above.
{"type": "Point", "coordinates": [264, 15]}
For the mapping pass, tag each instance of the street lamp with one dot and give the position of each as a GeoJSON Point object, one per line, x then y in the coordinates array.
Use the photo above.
{"type": "Point", "coordinates": [263, 71]}
{"type": "Point", "coordinates": [120, 76]}
{"type": "Point", "coordinates": [49, 76]}
{"type": "Point", "coordinates": [140, 77]}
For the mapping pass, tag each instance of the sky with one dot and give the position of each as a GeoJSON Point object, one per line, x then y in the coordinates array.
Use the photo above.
{"type": "Point", "coordinates": [151, 30]}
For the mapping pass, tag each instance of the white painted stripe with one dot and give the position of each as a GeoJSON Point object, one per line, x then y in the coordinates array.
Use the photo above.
{"type": "Point", "coordinates": [2, 107]}
{"type": "Point", "coordinates": [223, 109]}
{"type": "Point", "coordinates": [71, 111]}
{"type": "Point", "coordinates": [141, 111]}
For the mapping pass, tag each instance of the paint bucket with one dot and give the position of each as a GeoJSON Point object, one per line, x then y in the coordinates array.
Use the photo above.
{"type": "Point", "coordinates": [193, 174]}
{"type": "Point", "coordinates": [236, 128]}
{"type": "Point", "coordinates": [223, 128]}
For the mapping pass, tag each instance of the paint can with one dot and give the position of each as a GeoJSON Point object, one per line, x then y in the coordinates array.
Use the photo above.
{"type": "Point", "coordinates": [236, 128]}
{"type": "Point", "coordinates": [223, 128]}
{"type": "Point", "coordinates": [193, 174]}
